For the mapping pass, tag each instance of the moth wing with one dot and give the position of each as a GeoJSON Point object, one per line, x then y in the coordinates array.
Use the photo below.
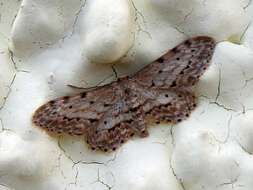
{"type": "Point", "coordinates": [174, 107]}
{"type": "Point", "coordinates": [75, 114]}
{"type": "Point", "coordinates": [109, 139]}
{"type": "Point", "coordinates": [181, 66]}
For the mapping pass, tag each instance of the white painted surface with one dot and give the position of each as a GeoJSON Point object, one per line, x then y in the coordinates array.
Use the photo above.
{"type": "Point", "coordinates": [59, 43]}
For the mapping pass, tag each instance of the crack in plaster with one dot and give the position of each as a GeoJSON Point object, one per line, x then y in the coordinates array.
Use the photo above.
{"type": "Point", "coordinates": [109, 187]}
{"type": "Point", "coordinates": [232, 182]}
{"type": "Point", "coordinates": [243, 148]}
{"type": "Point", "coordinates": [188, 14]}
{"type": "Point", "coordinates": [245, 30]}
{"type": "Point", "coordinates": [74, 183]}
{"type": "Point", "coordinates": [8, 92]}
{"type": "Point", "coordinates": [180, 31]}
{"type": "Point", "coordinates": [97, 163]}
{"type": "Point", "coordinates": [75, 163]}
{"type": "Point", "coordinates": [65, 152]}
{"type": "Point", "coordinates": [58, 166]}
{"type": "Point", "coordinates": [139, 22]}
{"type": "Point", "coordinates": [179, 180]}
{"type": "Point", "coordinates": [228, 133]}
{"type": "Point", "coordinates": [90, 86]}
{"type": "Point", "coordinates": [2, 125]}
{"type": "Point", "coordinates": [244, 110]}
{"type": "Point", "coordinates": [77, 16]}
{"type": "Point", "coordinates": [164, 143]}
{"type": "Point", "coordinates": [11, 55]}
{"type": "Point", "coordinates": [114, 70]}
{"type": "Point", "coordinates": [186, 17]}
{"type": "Point", "coordinates": [13, 20]}
{"type": "Point", "coordinates": [217, 103]}
{"type": "Point", "coordinates": [219, 89]}
{"type": "Point", "coordinates": [223, 106]}
{"type": "Point", "coordinates": [247, 81]}
{"type": "Point", "coordinates": [219, 86]}
{"type": "Point", "coordinates": [3, 128]}
{"type": "Point", "coordinates": [177, 27]}
{"type": "Point", "coordinates": [114, 75]}
{"type": "Point", "coordinates": [82, 161]}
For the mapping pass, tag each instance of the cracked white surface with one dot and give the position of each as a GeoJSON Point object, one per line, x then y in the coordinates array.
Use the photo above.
{"type": "Point", "coordinates": [51, 46]}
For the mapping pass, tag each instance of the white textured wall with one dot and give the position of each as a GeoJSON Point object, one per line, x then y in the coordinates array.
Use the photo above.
{"type": "Point", "coordinates": [52, 44]}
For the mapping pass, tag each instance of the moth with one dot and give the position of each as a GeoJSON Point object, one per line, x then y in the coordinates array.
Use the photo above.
{"type": "Point", "coordinates": [109, 115]}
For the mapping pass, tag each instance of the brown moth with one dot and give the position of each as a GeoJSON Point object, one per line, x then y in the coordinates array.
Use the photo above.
{"type": "Point", "coordinates": [109, 115]}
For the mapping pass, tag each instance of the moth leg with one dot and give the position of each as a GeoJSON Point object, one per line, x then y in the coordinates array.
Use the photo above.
{"type": "Point", "coordinates": [109, 139]}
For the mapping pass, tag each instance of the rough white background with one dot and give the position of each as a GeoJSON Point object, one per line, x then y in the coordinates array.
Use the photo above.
{"type": "Point", "coordinates": [47, 46]}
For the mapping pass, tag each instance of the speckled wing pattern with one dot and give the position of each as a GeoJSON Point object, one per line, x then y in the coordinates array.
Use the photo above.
{"type": "Point", "coordinates": [109, 115]}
